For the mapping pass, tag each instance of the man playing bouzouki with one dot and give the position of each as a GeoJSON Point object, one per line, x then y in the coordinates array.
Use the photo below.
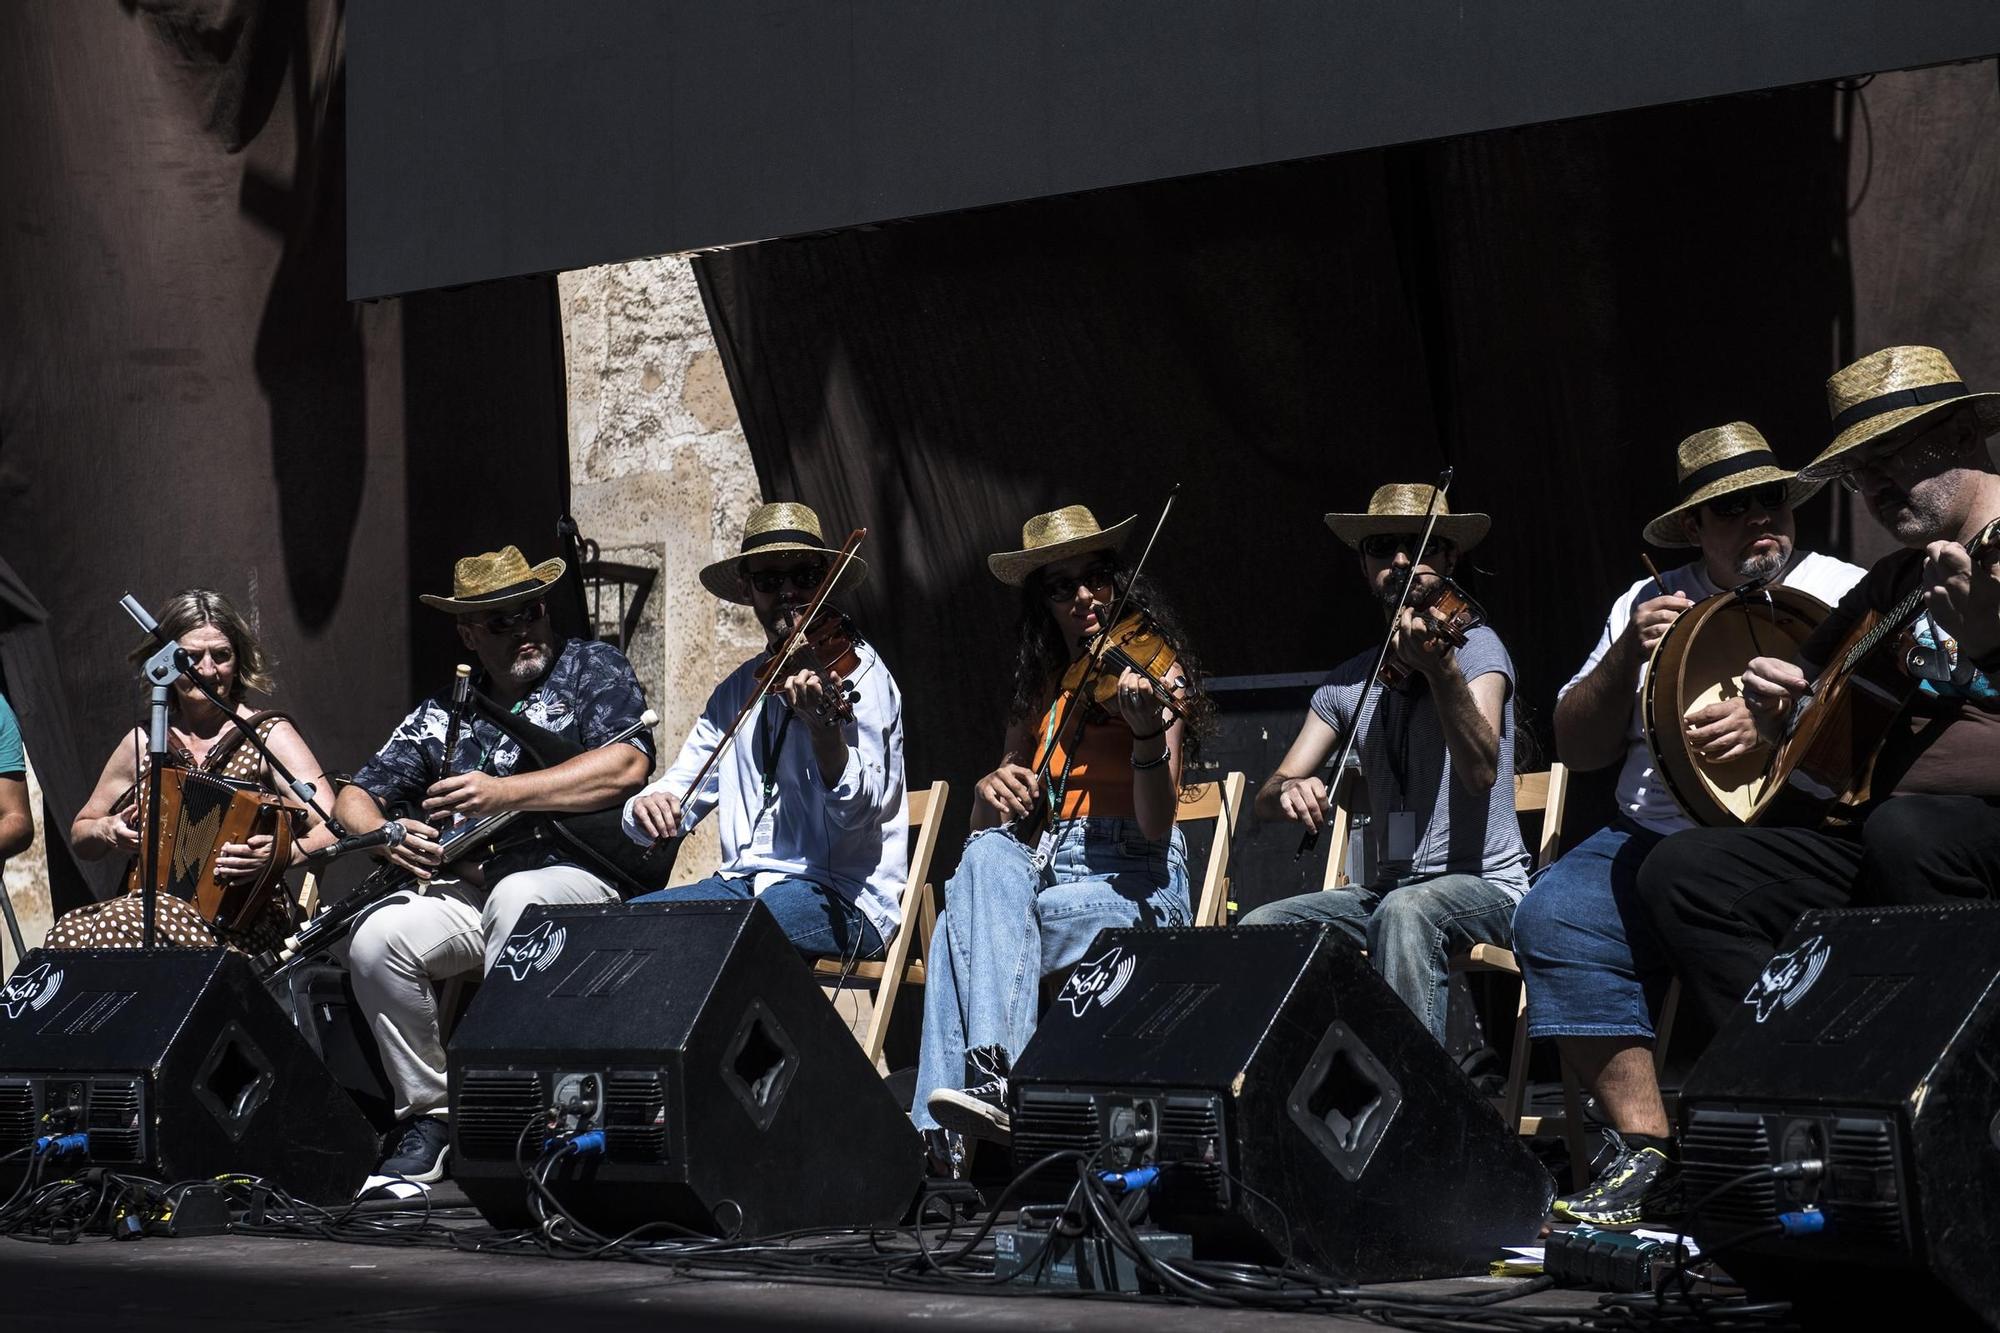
{"type": "Point", "coordinates": [1911, 441]}
{"type": "Point", "coordinates": [1595, 976]}
{"type": "Point", "coordinates": [581, 690]}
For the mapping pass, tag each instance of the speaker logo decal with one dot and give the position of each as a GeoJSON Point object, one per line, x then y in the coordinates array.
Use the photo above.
{"type": "Point", "coordinates": [532, 950]}
{"type": "Point", "coordinates": [30, 990]}
{"type": "Point", "coordinates": [1100, 980]}
{"type": "Point", "coordinates": [1788, 976]}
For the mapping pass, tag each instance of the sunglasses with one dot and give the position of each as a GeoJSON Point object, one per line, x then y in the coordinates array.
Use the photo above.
{"type": "Point", "coordinates": [802, 578]}
{"type": "Point", "coordinates": [518, 618]}
{"type": "Point", "coordinates": [1770, 497]}
{"type": "Point", "coordinates": [1915, 455]}
{"type": "Point", "coordinates": [1384, 545]}
{"type": "Point", "coordinates": [1094, 579]}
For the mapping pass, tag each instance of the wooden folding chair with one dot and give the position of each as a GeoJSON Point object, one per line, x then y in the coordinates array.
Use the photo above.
{"type": "Point", "coordinates": [903, 963]}
{"type": "Point", "coordinates": [1222, 802]}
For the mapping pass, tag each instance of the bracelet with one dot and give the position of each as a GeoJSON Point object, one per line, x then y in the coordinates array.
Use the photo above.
{"type": "Point", "coordinates": [1141, 765]}
{"type": "Point", "coordinates": [1149, 735]}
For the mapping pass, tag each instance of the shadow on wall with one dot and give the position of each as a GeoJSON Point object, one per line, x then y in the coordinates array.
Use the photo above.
{"type": "Point", "coordinates": [309, 356]}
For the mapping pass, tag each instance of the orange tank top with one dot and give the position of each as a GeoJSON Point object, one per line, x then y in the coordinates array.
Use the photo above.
{"type": "Point", "coordinates": [1100, 773]}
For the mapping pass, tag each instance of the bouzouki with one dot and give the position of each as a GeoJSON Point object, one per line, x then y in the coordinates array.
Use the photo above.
{"type": "Point", "coordinates": [593, 839]}
{"type": "Point", "coordinates": [1837, 727]}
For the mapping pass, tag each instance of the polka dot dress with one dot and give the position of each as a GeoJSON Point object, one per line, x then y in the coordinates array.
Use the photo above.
{"type": "Point", "coordinates": [120, 923]}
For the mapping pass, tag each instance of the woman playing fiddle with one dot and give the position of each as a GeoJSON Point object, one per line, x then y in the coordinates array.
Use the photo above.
{"type": "Point", "coordinates": [1073, 830]}
{"type": "Point", "coordinates": [231, 662]}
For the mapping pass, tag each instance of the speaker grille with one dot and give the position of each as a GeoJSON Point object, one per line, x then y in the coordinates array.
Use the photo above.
{"type": "Point", "coordinates": [635, 1117]}
{"type": "Point", "coordinates": [1191, 1139]}
{"type": "Point", "coordinates": [115, 1120]}
{"type": "Point", "coordinates": [1718, 1147]}
{"type": "Point", "coordinates": [494, 1107]}
{"type": "Point", "coordinates": [1863, 1203]}
{"type": "Point", "coordinates": [17, 1114]}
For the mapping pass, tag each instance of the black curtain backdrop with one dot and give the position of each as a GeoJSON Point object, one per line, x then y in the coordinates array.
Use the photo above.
{"type": "Point", "coordinates": [187, 398]}
{"type": "Point", "coordinates": [1549, 310]}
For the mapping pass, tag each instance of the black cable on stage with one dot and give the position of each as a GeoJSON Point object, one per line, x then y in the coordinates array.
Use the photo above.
{"type": "Point", "coordinates": [921, 1257]}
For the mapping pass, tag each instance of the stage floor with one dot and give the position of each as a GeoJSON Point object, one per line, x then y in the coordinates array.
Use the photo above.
{"type": "Point", "coordinates": [160, 1283]}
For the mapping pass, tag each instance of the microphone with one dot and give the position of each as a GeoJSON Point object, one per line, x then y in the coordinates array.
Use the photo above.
{"type": "Point", "coordinates": [390, 834]}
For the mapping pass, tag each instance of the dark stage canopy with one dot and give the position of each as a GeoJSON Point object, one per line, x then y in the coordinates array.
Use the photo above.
{"type": "Point", "coordinates": [492, 138]}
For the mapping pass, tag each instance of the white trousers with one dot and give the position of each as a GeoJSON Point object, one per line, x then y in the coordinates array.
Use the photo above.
{"type": "Point", "coordinates": [402, 948]}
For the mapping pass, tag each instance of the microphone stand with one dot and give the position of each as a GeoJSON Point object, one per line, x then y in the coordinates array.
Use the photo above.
{"type": "Point", "coordinates": [167, 663]}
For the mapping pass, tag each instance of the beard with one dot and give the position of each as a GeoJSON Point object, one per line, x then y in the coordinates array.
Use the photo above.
{"type": "Point", "coordinates": [526, 670]}
{"type": "Point", "coordinates": [1756, 568]}
{"type": "Point", "coordinates": [1919, 515]}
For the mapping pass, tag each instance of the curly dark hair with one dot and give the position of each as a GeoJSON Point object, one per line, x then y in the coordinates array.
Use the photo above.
{"type": "Point", "coordinates": [1041, 656]}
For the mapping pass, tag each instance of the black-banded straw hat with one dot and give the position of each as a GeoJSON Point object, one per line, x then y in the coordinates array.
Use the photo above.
{"type": "Point", "coordinates": [493, 580]}
{"type": "Point", "coordinates": [1057, 535]}
{"type": "Point", "coordinates": [1716, 461]}
{"type": "Point", "coordinates": [1886, 390]}
{"type": "Point", "coordinates": [772, 528]}
{"type": "Point", "coordinates": [1399, 508]}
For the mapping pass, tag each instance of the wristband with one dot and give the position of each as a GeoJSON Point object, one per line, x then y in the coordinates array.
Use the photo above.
{"type": "Point", "coordinates": [1141, 765]}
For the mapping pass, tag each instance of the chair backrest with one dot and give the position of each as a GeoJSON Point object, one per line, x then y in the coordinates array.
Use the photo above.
{"type": "Point", "coordinates": [1534, 793]}
{"type": "Point", "coordinates": [1222, 802]}
{"type": "Point", "coordinates": [926, 815]}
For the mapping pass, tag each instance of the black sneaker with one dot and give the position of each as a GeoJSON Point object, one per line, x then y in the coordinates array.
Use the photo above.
{"type": "Point", "coordinates": [978, 1111]}
{"type": "Point", "coordinates": [420, 1151]}
{"type": "Point", "coordinates": [1639, 1183]}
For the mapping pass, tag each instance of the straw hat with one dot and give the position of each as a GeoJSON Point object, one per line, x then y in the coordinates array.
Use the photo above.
{"type": "Point", "coordinates": [1399, 507]}
{"type": "Point", "coordinates": [1714, 462]}
{"type": "Point", "coordinates": [1888, 389]}
{"type": "Point", "coordinates": [1047, 538]}
{"type": "Point", "coordinates": [494, 579]}
{"type": "Point", "coordinates": [783, 526]}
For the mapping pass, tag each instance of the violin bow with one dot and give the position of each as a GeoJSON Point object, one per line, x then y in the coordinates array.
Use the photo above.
{"type": "Point", "coordinates": [828, 582]}
{"type": "Point", "coordinates": [1373, 682]}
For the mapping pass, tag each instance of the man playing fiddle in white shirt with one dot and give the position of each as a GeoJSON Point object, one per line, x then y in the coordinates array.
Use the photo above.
{"type": "Point", "coordinates": [811, 802]}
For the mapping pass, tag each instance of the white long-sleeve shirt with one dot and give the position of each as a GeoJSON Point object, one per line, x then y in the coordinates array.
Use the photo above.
{"type": "Point", "coordinates": [852, 837]}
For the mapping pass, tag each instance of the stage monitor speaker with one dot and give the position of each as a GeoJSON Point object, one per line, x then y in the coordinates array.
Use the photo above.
{"type": "Point", "coordinates": [1297, 1108]}
{"type": "Point", "coordinates": [1868, 1043]}
{"type": "Point", "coordinates": [732, 1098]}
{"type": "Point", "coordinates": [177, 1065]}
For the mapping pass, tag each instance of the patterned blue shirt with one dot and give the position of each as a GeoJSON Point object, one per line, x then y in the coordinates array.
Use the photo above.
{"type": "Point", "coordinates": [589, 695]}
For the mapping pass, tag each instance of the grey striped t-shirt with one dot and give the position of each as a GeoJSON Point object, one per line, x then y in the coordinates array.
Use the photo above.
{"type": "Point", "coordinates": [1408, 767]}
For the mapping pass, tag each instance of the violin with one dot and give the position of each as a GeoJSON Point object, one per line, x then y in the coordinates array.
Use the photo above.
{"type": "Point", "coordinates": [1450, 608]}
{"type": "Point", "coordinates": [1133, 644]}
{"type": "Point", "coordinates": [828, 646]}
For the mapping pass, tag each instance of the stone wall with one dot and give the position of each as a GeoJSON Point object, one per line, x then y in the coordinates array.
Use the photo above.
{"type": "Point", "coordinates": [660, 476]}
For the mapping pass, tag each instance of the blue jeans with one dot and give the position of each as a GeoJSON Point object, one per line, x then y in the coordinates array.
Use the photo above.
{"type": "Point", "coordinates": [1588, 955]}
{"type": "Point", "coordinates": [1411, 931]}
{"type": "Point", "coordinates": [819, 922]}
{"type": "Point", "coordinates": [1005, 926]}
